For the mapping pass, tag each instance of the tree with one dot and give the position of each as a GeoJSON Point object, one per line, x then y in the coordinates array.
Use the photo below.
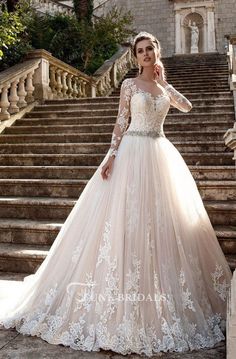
{"type": "Point", "coordinates": [12, 5]}
{"type": "Point", "coordinates": [83, 10]}
{"type": "Point", "coordinates": [10, 28]}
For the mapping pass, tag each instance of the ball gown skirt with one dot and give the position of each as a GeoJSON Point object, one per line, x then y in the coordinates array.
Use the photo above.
{"type": "Point", "coordinates": [136, 266]}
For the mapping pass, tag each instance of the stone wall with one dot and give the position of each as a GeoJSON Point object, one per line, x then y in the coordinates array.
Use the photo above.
{"type": "Point", "coordinates": [158, 17]}
{"type": "Point", "coordinates": [225, 18]}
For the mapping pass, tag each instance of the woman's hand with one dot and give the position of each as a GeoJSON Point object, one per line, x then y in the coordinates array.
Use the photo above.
{"type": "Point", "coordinates": [107, 168]}
{"type": "Point", "coordinates": [159, 71]}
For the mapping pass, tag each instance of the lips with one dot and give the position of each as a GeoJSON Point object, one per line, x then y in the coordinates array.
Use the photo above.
{"type": "Point", "coordinates": [147, 59]}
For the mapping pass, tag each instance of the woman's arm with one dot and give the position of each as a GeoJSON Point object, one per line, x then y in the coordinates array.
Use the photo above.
{"type": "Point", "coordinates": [176, 98]}
{"type": "Point", "coordinates": [122, 118]}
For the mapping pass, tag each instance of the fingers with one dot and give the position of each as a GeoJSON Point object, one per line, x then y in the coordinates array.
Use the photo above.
{"type": "Point", "coordinates": [106, 172]}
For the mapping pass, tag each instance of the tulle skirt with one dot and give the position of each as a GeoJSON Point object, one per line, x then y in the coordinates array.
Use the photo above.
{"type": "Point", "coordinates": [135, 268]}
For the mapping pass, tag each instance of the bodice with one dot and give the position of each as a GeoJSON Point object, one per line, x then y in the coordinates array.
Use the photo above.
{"type": "Point", "coordinates": [148, 112]}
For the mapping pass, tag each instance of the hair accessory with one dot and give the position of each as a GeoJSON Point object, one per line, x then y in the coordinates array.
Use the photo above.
{"type": "Point", "coordinates": [143, 33]}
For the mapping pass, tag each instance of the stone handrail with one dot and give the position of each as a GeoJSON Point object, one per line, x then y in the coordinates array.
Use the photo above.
{"type": "Point", "coordinates": [230, 135]}
{"type": "Point", "coordinates": [16, 87]}
{"type": "Point", "coordinates": [109, 75]}
{"type": "Point", "coordinates": [52, 7]}
{"type": "Point", "coordinates": [42, 76]}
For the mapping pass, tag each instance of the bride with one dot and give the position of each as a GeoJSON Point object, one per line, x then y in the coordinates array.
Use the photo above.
{"type": "Point", "coordinates": [136, 267]}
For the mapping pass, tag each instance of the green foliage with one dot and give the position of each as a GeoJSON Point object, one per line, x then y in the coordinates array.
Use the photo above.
{"type": "Point", "coordinates": [83, 10]}
{"type": "Point", "coordinates": [10, 28]}
{"type": "Point", "coordinates": [82, 44]}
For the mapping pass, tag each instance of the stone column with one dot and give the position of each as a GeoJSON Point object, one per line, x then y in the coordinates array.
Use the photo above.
{"type": "Point", "coordinates": [41, 76]}
{"type": "Point", "coordinates": [178, 44]}
{"type": "Point", "coordinates": [211, 40]}
{"type": "Point", "coordinates": [230, 135]}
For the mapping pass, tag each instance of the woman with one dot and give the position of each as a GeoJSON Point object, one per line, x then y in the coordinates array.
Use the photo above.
{"type": "Point", "coordinates": [136, 267]}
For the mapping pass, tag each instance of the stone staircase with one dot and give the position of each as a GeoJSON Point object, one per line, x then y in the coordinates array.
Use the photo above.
{"type": "Point", "coordinates": [48, 156]}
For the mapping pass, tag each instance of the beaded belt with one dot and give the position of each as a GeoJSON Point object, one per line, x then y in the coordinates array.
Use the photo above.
{"type": "Point", "coordinates": [145, 133]}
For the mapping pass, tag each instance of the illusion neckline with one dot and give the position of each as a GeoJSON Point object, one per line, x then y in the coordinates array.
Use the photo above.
{"type": "Point", "coordinates": [163, 94]}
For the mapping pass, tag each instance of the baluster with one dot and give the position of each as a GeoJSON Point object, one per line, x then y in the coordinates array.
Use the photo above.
{"type": "Point", "coordinates": [78, 81]}
{"type": "Point", "coordinates": [52, 81]}
{"type": "Point", "coordinates": [59, 84]}
{"type": "Point", "coordinates": [29, 87]}
{"type": "Point", "coordinates": [83, 88]}
{"type": "Point", "coordinates": [75, 88]}
{"type": "Point", "coordinates": [22, 93]}
{"type": "Point", "coordinates": [70, 88]}
{"type": "Point", "coordinates": [64, 84]}
{"type": "Point", "coordinates": [13, 98]}
{"type": "Point", "coordinates": [4, 103]}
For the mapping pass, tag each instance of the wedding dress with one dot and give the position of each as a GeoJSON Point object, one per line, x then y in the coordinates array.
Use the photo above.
{"type": "Point", "coordinates": [136, 267]}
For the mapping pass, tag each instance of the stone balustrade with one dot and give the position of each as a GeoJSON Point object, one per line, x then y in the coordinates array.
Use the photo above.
{"type": "Point", "coordinates": [17, 88]}
{"type": "Point", "coordinates": [109, 75]}
{"type": "Point", "coordinates": [230, 135]}
{"type": "Point", "coordinates": [42, 76]}
{"type": "Point", "coordinates": [52, 7]}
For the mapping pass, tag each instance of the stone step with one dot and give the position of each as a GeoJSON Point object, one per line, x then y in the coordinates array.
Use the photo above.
{"type": "Point", "coordinates": [211, 85]}
{"type": "Point", "coordinates": [201, 69]}
{"type": "Point", "coordinates": [174, 118]}
{"type": "Point", "coordinates": [11, 276]}
{"type": "Point", "coordinates": [197, 82]}
{"type": "Point", "coordinates": [195, 75]}
{"type": "Point", "coordinates": [201, 88]}
{"type": "Point", "coordinates": [67, 127]}
{"type": "Point", "coordinates": [221, 212]}
{"type": "Point", "coordinates": [103, 103]}
{"type": "Point", "coordinates": [41, 208]}
{"type": "Point", "coordinates": [92, 159]}
{"type": "Point", "coordinates": [44, 232]}
{"type": "Point", "coordinates": [206, 173]}
{"type": "Point", "coordinates": [81, 107]}
{"type": "Point", "coordinates": [209, 95]}
{"type": "Point", "coordinates": [28, 231]}
{"type": "Point", "coordinates": [105, 137]}
{"type": "Point", "coordinates": [231, 259]}
{"type": "Point", "coordinates": [42, 184]}
{"type": "Point", "coordinates": [114, 112]}
{"type": "Point", "coordinates": [227, 238]}
{"type": "Point", "coordinates": [21, 258]}
{"type": "Point", "coordinates": [200, 73]}
{"type": "Point", "coordinates": [26, 153]}
{"type": "Point", "coordinates": [36, 208]}
{"type": "Point", "coordinates": [21, 231]}
{"type": "Point", "coordinates": [213, 172]}
{"type": "Point", "coordinates": [26, 258]}
{"type": "Point", "coordinates": [74, 126]}
{"type": "Point", "coordinates": [217, 190]}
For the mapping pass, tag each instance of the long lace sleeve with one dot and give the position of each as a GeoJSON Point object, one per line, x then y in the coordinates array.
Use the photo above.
{"type": "Point", "coordinates": [122, 118]}
{"type": "Point", "coordinates": [177, 99]}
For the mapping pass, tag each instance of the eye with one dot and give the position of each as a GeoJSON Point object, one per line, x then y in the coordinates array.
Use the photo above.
{"type": "Point", "coordinates": [140, 50]}
{"type": "Point", "coordinates": [150, 48]}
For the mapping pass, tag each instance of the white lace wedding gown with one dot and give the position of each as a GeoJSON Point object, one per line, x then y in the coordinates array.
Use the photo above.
{"type": "Point", "coordinates": [136, 266]}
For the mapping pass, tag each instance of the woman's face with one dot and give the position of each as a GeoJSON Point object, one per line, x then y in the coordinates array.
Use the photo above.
{"type": "Point", "coordinates": [147, 53]}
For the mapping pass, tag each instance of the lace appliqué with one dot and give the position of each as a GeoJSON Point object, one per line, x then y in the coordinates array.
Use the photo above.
{"type": "Point", "coordinates": [221, 287]}
{"type": "Point", "coordinates": [186, 301]}
{"type": "Point", "coordinates": [177, 99]}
